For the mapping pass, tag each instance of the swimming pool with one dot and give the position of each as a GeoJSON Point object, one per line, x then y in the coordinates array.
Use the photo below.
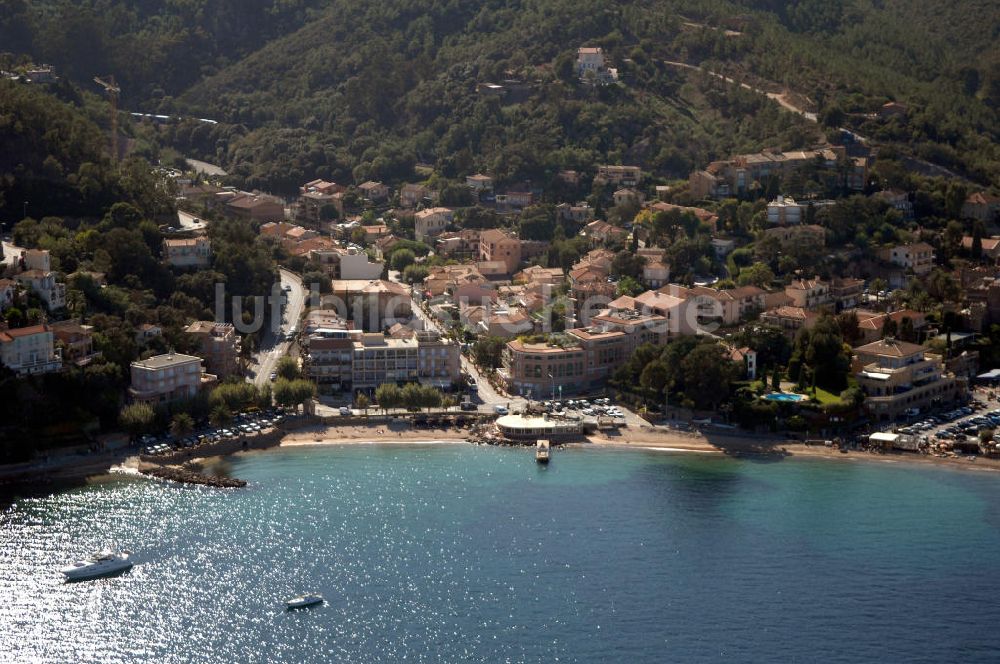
{"type": "Point", "coordinates": [785, 396]}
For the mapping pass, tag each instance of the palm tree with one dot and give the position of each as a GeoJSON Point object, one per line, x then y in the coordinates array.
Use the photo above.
{"type": "Point", "coordinates": [878, 285]}
{"type": "Point", "coordinates": [361, 402]}
{"type": "Point", "coordinates": [181, 425]}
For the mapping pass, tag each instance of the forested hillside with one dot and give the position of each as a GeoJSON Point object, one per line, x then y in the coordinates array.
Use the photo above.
{"type": "Point", "coordinates": [55, 160]}
{"type": "Point", "coordinates": [346, 89]}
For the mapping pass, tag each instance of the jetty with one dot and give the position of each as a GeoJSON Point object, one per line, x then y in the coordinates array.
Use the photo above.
{"type": "Point", "coordinates": [187, 475]}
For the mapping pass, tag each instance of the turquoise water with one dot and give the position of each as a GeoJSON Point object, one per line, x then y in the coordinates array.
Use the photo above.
{"type": "Point", "coordinates": [784, 396]}
{"type": "Point", "coordinates": [458, 553]}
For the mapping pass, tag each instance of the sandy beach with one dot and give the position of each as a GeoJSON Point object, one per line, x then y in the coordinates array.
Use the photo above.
{"type": "Point", "coordinates": [103, 467]}
{"type": "Point", "coordinates": [651, 439]}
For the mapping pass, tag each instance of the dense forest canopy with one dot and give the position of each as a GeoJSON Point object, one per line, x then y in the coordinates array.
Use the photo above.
{"type": "Point", "coordinates": [354, 90]}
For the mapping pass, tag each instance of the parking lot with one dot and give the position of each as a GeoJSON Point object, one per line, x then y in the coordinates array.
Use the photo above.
{"type": "Point", "coordinates": [959, 425]}
{"type": "Point", "coordinates": [243, 424]}
{"type": "Point", "coordinates": [575, 408]}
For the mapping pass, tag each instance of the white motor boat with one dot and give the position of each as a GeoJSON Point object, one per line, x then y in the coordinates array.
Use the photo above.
{"type": "Point", "coordinates": [302, 601]}
{"type": "Point", "coordinates": [101, 563]}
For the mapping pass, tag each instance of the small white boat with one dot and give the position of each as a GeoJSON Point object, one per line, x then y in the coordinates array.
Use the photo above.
{"type": "Point", "coordinates": [98, 564]}
{"type": "Point", "coordinates": [303, 601]}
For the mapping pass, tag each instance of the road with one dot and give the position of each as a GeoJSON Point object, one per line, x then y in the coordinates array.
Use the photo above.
{"type": "Point", "coordinates": [205, 167]}
{"type": "Point", "coordinates": [274, 346]}
{"type": "Point", "coordinates": [189, 222]}
{"type": "Point", "coordinates": [780, 97]}
{"type": "Point", "coordinates": [489, 396]}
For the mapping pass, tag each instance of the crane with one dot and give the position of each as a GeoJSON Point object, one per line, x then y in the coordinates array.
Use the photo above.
{"type": "Point", "coordinates": [112, 89]}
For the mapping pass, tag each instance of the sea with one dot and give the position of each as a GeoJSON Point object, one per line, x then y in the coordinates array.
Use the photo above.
{"type": "Point", "coordinates": [463, 553]}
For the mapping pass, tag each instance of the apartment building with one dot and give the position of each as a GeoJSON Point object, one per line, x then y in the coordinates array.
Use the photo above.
{"type": "Point", "coordinates": [784, 211]}
{"type": "Point", "coordinates": [37, 276]}
{"type": "Point", "coordinates": [411, 195]}
{"type": "Point", "coordinates": [619, 176]}
{"type": "Point", "coordinates": [809, 293]}
{"type": "Point", "coordinates": [44, 284]}
{"type": "Point", "coordinates": [740, 174]}
{"type": "Point", "coordinates": [329, 358]}
{"type": "Point", "coordinates": [168, 377]}
{"type": "Point", "coordinates": [425, 358]}
{"type": "Point", "coordinates": [29, 350]}
{"type": "Point", "coordinates": [75, 341]}
{"type": "Point", "coordinates": [218, 345]}
{"type": "Point", "coordinates": [431, 222]}
{"type": "Point", "coordinates": [726, 307]}
{"type": "Point", "coordinates": [499, 246]}
{"type": "Point", "coordinates": [584, 359]}
{"type": "Point", "coordinates": [374, 191]}
{"type": "Point", "coordinates": [255, 207]}
{"type": "Point", "coordinates": [917, 257]}
{"type": "Point", "coordinates": [897, 376]}
{"type": "Point", "coordinates": [372, 305]}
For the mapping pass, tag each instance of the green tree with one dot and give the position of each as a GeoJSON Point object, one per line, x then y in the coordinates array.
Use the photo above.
{"type": "Point", "coordinates": [655, 377]}
{"type": "Point", "coordinates": [291, 393]}
{"type": "Point", "coordinates": [388, 395]}
{"type": "Point", "coordinates": [413, 274]}
{"type": "Point", "coordinates": [537, 223]}
{"type": "Point", "coordinates": [487, 352]}
{"type": "Point", "coordinates": [629, 286]}
{"type": "Point", "coordinates": [220, 415]}
{"type": "Point", "coordinates": [362, 402]}
{"type": "Point", "coordinates": [288, 368]}
{"type": "Point", "coordinates": [137, 418]}
{"type": "Point", "coordinates": [758, 274]}
{"type": "Point", "coordinates": [181, 425]}
{"type": "Point", "coordinates": [708, 373]}
{"type": "Point", "coordinates": [402, 259]}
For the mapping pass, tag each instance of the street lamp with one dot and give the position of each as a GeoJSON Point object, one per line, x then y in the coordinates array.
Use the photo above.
{"type": "Point", "coordinates": [24, 213]}
{"type": "Point", "coordinates": [553, 385]}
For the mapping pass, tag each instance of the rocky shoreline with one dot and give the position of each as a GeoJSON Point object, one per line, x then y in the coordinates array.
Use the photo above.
{"type": "Point", "coordinates": [188, 475]}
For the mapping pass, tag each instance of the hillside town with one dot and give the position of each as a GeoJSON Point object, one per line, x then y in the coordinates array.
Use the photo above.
{"type": "Point", "coordinates": [781, 292]}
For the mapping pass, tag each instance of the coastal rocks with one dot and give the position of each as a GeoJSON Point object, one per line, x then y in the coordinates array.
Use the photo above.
{"type": "Point", "coordinates": [189, 476]}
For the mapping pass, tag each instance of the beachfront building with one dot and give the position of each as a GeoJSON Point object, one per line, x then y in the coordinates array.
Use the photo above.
{"type": "Point", "coordinates": [329, 358]}
{"type": "Point", "coordinates": [530, 427]}
{"type": "Point", "coordinates": [900, 378]}
{"type": "Point", "coordinates": [345, 360]}
{"type": "Point", "coordinates": [168, 377]}
{"type": "Point", "coordinates": [29, 350]}
{"type": "Point", "coordinates": [583, 358]}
